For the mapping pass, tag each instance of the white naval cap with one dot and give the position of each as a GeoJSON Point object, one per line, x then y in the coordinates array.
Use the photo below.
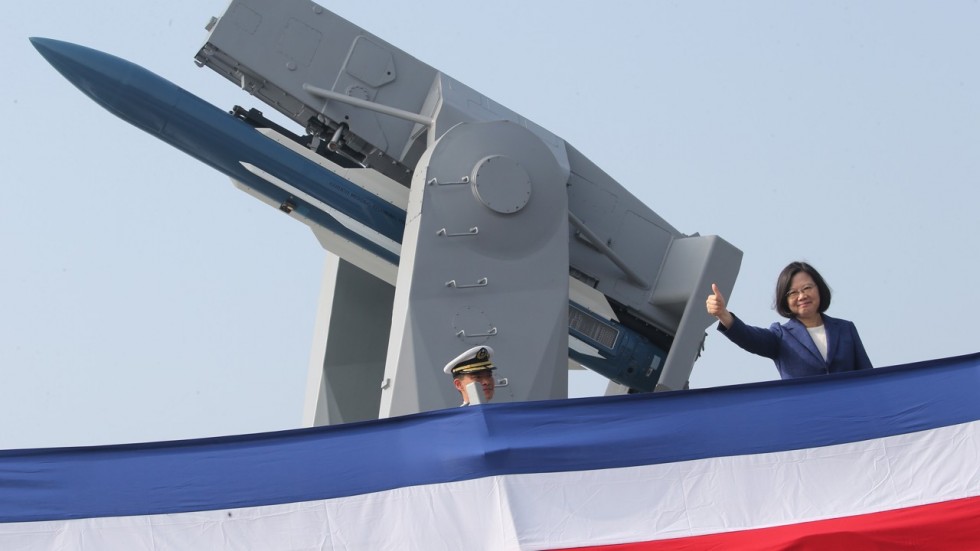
{"type": "Point", "coordinates": [475, 359]}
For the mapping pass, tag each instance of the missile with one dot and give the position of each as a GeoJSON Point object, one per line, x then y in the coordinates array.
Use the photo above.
{"type": "Point", "coordinates": [272, 170]}
{"type": "Point", "coordinates": [356, 212]}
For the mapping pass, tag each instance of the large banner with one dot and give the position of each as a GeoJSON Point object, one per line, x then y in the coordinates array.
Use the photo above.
{"type": "Point", "coordinates": [881, 459]}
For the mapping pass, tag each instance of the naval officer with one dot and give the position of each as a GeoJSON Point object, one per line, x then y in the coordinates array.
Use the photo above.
{"type": "Point", "coordinates": [473, 366]}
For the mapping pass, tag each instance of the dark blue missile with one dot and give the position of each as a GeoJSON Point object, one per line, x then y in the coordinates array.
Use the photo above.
{"type": "Point", "coordinates": [284, 177]}
{"type": "Point", "coordinates": [230, 145]}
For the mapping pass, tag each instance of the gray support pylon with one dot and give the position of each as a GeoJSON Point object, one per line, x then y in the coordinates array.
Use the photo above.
{"type": "Point", "coordinates": [348, 356]}
{"type": "Point", "coordinates": [484, 260]}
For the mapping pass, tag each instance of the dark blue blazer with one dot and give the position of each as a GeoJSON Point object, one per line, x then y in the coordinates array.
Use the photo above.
{"type": "Point", "coordinates": [795, 354]}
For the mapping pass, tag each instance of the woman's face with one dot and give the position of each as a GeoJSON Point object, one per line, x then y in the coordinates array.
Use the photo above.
{"type": "Point", "coordinates": [803, 298]}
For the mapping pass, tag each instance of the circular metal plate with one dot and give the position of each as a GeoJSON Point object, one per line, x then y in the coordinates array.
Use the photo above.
{"type": "Point", "coordinates": [501, 183]}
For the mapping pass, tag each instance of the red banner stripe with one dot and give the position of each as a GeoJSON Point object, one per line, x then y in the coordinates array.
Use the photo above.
{"type": "Point", "coordinates": [940, 527]}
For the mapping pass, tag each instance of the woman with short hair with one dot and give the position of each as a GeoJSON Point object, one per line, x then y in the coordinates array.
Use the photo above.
{"type": "Point", "coordinates": [811, 342]}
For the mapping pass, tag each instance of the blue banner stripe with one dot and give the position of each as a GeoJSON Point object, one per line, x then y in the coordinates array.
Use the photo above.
{"type": "Point", "coordinates": [495, 439]}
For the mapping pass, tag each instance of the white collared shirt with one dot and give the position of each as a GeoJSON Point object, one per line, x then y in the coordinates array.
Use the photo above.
{"type": "Point", "coordinates": [819, 336]}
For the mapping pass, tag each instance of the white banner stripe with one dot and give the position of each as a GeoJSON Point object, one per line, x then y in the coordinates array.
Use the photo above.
{"type": "Point", "coordinates": [569, 509]}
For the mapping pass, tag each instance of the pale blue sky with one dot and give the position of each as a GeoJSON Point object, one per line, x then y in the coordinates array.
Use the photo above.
{"type": "Point", "coordinates": [142, 297]}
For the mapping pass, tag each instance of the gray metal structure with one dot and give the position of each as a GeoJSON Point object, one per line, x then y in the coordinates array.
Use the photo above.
{"type": "Point", "coordinates": [499, 214]}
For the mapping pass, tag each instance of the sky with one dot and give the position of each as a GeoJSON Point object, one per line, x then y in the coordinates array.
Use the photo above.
{"type": "Point", "coordinates": [144, 298]}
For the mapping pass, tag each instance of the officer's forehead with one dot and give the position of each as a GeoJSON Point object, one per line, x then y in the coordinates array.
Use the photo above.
{"type": "Point", "coordinates": [479, 374]}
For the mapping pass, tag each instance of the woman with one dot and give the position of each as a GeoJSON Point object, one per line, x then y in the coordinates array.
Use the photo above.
{"type": "Point", "coordinates": [811, 342]}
